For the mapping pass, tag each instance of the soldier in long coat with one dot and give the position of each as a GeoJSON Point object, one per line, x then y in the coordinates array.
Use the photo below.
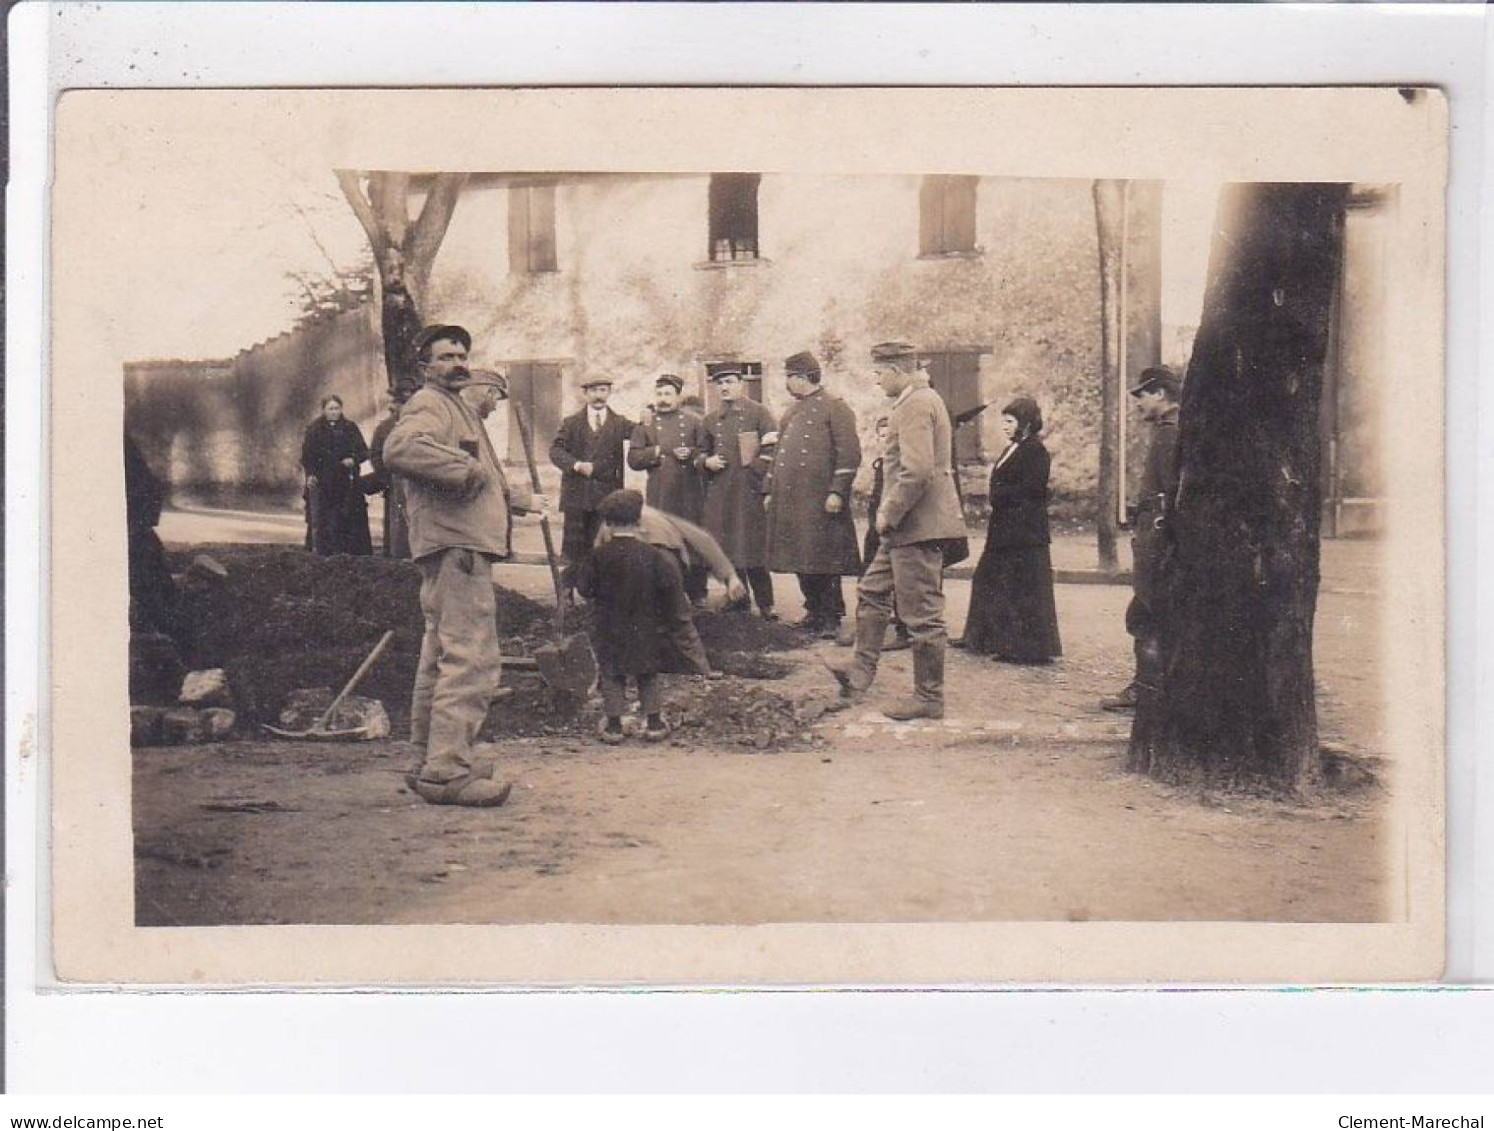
{"type": "Point", "coordinates": [588, 449]}
{"type": "Point", "coordinates": [668, 444]}
{"type": "Point", "coordinates": [740, 436]}
{"type": "Point", "coordinates": [1157, 397]}
{"type": "Point", "coordinates": [918, 520]}
{"type": "Point", "coordinates": [810, 529]}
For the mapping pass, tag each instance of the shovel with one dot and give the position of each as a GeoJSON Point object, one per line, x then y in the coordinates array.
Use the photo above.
{"type": "Point", "coordinates": [319, 728]}
{"type": "Point", "coordinates": [568, 665]}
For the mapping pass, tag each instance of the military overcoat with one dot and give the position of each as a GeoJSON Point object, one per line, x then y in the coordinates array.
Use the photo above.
{"type": "Point", "coordinates": [818, 454]}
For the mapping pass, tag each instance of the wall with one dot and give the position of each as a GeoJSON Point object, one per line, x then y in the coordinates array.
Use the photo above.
{"type": "Point", "coordinates": [233, 426]}
{"type": "Point", "coordinates": [839, 271]}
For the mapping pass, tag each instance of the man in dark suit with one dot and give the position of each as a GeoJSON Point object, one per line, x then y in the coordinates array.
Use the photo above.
{"type": "Point", "coordinates": [588, 449]}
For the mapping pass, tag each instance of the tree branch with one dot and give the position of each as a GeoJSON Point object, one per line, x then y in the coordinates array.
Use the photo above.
{"type": "Point", "coordinates": [352, 189]}
{"type": "Point", "coordinates": [435, 217]}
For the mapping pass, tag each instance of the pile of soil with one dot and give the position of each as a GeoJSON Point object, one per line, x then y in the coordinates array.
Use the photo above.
{"type": "Point", "coordinates": [285, 619]}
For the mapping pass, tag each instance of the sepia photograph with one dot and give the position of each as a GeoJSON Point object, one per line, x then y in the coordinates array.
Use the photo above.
{"type": "Point", "coordinates": [565, 525]}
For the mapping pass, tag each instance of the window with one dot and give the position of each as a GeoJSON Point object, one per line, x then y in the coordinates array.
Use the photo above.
{"type": "Point", "coordinates": [955, 376]}
{"type": "Point", "coordinates": [733, 205]}
{"type": "Point", "coordinates": [533, 386]}
{"type": "Point", "coordinates": [752, 381]}
{"type": "Point", "coordinates": [947, 216]}
{"type": "Point", "coordinates": [531, 229]}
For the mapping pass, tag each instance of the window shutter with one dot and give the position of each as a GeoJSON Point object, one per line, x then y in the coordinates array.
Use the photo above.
{"type": "Point", "coordinates": [930, 217]}
{"type": "Point", "coordinates": [542, 228]}
{"type": "Point", "coordinates": [959, 213]}
{"type": "Point", "coordinates": [518, 230]}
{"type": "Point", "coordinates": [544, 384]}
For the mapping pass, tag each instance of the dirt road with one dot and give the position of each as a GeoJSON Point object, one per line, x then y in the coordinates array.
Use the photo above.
{"type": "Point", "coordinates": [1015, 807]}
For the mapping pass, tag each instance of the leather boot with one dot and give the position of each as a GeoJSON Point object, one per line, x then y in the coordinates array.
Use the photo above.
{"type": "Point", "coordinates": [856, 674]}
{"type": "Point", "coordinates": [927, 701]}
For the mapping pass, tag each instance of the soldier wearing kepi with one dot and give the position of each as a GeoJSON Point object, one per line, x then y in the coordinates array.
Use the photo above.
{"type": "Point", "coordinates": [919, 515]}
{"type": "Point", "coordinates": [588, 449]}
{"type": "Point", "coordinates": [739, 450]}
{"type": "Point", "coordinates": [459, 509]}
{"type": "Point", "coordinates": [668, 445]}
{"type": "Point", "coordinates": [1157, 395]}
{"type": "Point", "coordinates": [810, 529]}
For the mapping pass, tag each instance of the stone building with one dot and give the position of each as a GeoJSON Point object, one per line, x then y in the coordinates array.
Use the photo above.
{"type": "Point", "coordinates": [996, 279]}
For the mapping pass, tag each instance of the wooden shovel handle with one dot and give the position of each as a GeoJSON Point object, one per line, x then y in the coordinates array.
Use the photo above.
{"type": "Point", "coordinates": [527, 439]}
{"type": "Point", "coordinates": [369, 661]}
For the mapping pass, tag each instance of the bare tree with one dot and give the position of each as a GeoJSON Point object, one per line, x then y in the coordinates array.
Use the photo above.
{"type": "Point", "coordinates": [1110, 204]}
{"type": "Point", "coordinates": [404, 250]}
{"type": "Point", "coordinates": [1237, 704]}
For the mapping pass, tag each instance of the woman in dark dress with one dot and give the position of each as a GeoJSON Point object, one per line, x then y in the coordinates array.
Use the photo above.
{"type": "Point", "coordinates": [331, 454]}
{"type": "Point", "coordinates": [1012, 615]}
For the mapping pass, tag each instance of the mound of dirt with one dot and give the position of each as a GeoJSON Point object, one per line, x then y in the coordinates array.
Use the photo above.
{"type": "Point", "coordinates": [285, 619]}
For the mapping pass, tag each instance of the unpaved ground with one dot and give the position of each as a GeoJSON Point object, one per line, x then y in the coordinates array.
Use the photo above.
{"type": "Point", "coordinates": [1015, 807]}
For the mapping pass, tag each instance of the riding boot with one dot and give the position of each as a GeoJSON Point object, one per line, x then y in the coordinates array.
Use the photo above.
{"type": "Point", "coordinates": [927, 701]}
{"type": "Point", "coordinates": [856, 674]}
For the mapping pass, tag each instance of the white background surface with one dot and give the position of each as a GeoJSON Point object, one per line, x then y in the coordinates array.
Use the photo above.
{"type": "Point", "coordinates": [1440, 1040]}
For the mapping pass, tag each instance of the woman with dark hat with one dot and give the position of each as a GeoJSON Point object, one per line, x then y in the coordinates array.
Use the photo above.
{"type": "Point", "coordinates": [1012, 614]}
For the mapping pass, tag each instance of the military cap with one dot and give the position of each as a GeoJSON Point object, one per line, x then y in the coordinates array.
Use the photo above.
{"type": "Point", "coordinates": [893, 351]}
{"type": "Point", "coordinates": [439, 333]}
{"type": "Point", "coordinates": [726, 371]}
{"type": "Point", "coordinates": [600, 379]}
{"type": "Point", "coordinates": [1159, 377]}
{"type": "Point", "coordinates": [802, 365]}
{"type": "Point", "coordinates": [669, 379]}
{"type": "Point", "coordinates": [497, 381]}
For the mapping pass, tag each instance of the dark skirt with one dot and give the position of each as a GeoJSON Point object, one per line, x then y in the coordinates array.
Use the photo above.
{"type": "Point", "coordinates": [1012, 615]}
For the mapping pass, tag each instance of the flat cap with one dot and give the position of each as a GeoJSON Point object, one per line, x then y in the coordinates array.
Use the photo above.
{"type": "Point", "coordinates": [726, 371]}
{"type": "Point", "coordinates": [1158, 377]}
{"type": "Point", "coordinates": [669, 379]}
{"type": "Point", "coordinates": [597, 379]}
{"type": "Point", "coordinates": [802, 364]}
{"type": "Point", "coordinates": [439, 333]}
{"type": "Point", "coordinates": [893, 351]}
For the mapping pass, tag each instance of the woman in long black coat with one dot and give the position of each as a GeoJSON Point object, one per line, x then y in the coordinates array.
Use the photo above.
{"type": "Point", "coordinates": [1012, 614]}
{"type": "Point", "coordinates": [331, 454]}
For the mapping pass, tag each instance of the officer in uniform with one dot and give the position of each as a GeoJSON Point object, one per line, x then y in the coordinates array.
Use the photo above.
{"type": "Point", "coordinates": [740, 437]}
{"type": "Point", "coordinates": [919, 520]}
{"type": "Point", "coordinates": [810, 529]}
{"type": "Point", "coordinates": [668, 444]}
{"type": "Point", "coordinates": [1157, 396]}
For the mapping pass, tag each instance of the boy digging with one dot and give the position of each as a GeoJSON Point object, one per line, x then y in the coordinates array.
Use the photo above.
{"type": "Point", "coordinates": [638, 593]}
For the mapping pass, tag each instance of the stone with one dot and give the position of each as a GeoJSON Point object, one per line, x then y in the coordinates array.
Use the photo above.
{"type": "Point", "coordinates": [156, 670]}
{"type": "Point", "coordinates": [208, 568]}
{"type": "Point", "coordinates": [304, 707]}
{"type": "Point", "coordinates": [145, 725]}
{"type": "Point", "coordinates": [181, 725]}
{"type": "Point", "coordinates": [207, 688]}
{"type": "Point", "coordinates": [218, 723]}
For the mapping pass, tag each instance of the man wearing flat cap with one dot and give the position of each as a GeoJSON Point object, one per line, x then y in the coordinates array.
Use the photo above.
{"type": "Point", "coordinates": [460, 509]}
{"type": "Point", "coordinates": [1157, 397]}
{"type": "Point", "coordinates": [918, 517]}
{"type": "Point", "coordinates": [588, 449]}
{"type": "Point", "coordinates": [667, 444]}
{"type": "Point", "coordinates": [739, 439]}
{"type": "Point", "coordinates": [810, 529]}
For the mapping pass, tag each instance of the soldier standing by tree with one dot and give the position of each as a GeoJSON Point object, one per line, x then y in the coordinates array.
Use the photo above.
{"type": "Point", "coordinates": [667, 444]}
{"type": "Point", "coordinates": [810, 529]}
{"type": "Point", "coordinates": [739, 441]}
{"type": "Point", "coordinates": [1151, 541]}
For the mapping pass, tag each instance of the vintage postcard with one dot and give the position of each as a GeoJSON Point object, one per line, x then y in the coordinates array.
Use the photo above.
{"type": "Point", "coordinates": [759, 537]}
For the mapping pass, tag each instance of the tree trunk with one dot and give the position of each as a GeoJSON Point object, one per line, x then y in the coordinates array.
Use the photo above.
{"type": "Point", "coordinates": [1237, 704]}
{"type": "Point", "coordinates": [1109, 224]}
{"type": "Point", "coordinates": [404, 252]}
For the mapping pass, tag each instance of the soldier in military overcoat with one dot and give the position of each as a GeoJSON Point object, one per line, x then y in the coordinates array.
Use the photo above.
{"type": "Point", "coordinates": [740, 436]}
{"type": "Point", "coordinates": [810, 529]}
